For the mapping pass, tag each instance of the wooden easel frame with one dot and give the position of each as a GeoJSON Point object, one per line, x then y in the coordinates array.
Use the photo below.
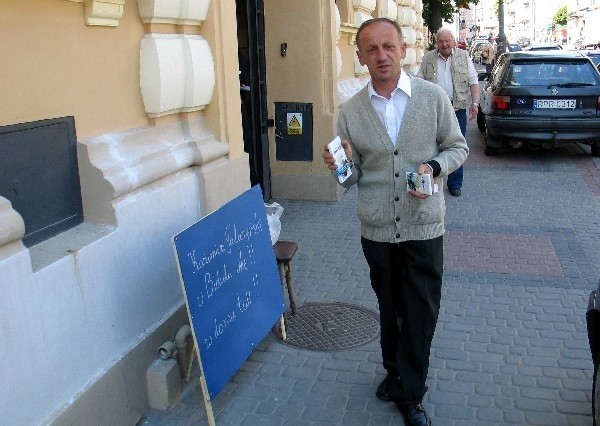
{"type": "Point", "coordinates": [196, 351]}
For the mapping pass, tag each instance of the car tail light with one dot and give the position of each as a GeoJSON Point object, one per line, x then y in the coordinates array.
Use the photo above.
{"type": "Point", "coordinates": [501, 103]}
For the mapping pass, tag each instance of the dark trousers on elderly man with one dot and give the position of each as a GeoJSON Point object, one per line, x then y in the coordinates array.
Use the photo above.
{"type": "Point", "coordinates": [407, 279]}
{"type": "Point", "coordinates": [455, 179]}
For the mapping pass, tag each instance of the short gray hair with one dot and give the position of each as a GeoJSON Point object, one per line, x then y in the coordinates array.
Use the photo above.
{"type": "Point", "coordinates": [444, 31]}
{"type": "Point", "coordinates": [376, 21]}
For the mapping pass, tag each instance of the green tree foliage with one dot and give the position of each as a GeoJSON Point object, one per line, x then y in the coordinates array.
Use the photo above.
{"type": "Point", "coordinates": [560, 17]}
{"type": "Point", "coordinates": [437, 11]}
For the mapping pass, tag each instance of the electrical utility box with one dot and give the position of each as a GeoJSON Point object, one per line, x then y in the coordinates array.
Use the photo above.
{"type": "Point", "coordinates": [293, 131]}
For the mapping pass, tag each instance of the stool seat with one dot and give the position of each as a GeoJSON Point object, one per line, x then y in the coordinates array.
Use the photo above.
{"type": "Point", "coordinates": [284, 252]}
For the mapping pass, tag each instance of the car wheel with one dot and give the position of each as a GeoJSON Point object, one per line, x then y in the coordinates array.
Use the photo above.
{"type": "Point", "coordinates": [596, 149]}
{"type": "Point", "coordinates": [490, 150]}
{"type": "Point", "coordinates": [480, 120]}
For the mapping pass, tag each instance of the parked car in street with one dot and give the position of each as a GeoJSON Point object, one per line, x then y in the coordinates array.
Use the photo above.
{"type": "Point", "coordinates": [475, 51]}
{"type": "Point", "coordinates": [532, 47]}
{"type": "Point", "coordinates": [461, 44]}
{"type": "Point", "coordinates": [540, 99]}
{"type": "Point", "coordinates": [524, 41]}
{"type": "Point", "coordinates": [594, 55]}
{"type": "Point", "coordinates": [513, 47]}
{"type": "Point", "coordinates": [476, 45]}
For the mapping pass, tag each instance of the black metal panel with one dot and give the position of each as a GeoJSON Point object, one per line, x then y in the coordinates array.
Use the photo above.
{"type": "Point", "coordinates": [293, 131]}
{"type": "Point", "coordinates": [40, 177]}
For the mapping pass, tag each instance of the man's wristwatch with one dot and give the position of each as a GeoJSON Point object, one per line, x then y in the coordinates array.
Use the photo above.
{"type": "Point", "coordinates": [475, 104]}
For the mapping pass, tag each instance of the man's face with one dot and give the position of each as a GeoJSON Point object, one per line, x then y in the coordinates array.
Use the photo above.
{"type": "Point", "coordinates": [445, 43]}
{"type": "Point", "coordinates": [381, 51]}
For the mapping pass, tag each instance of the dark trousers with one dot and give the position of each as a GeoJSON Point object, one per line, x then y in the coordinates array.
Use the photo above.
{"type": "Point", "coordinates": [455, 179]}
{"type": "Point", "coordinates": [407, 279]}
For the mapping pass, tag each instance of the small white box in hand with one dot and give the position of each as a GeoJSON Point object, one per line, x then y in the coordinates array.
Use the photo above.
{"type": "Point", "coordinates": [344, 167]}
{"type": "Point", "coordinates": [420, 183]}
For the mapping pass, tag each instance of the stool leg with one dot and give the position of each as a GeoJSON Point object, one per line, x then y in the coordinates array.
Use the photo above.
{"type": "Point", "coordinates": [281, 267]}
{"type": "Point", "coordinates": [290, 288]}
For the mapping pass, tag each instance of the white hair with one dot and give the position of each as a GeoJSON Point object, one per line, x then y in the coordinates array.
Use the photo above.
{"type": "Point", "coordinates": [444, 31]}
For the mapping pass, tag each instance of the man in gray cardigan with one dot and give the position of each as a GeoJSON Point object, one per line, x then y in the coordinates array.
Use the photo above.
{"type": "Point", "coordinates": [399, 124]}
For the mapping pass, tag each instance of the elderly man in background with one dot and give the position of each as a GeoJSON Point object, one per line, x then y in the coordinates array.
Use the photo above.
{"type": "Point", "coordinates": [452, 69]}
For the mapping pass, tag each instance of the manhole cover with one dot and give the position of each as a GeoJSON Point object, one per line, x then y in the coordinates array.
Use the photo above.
{"type": "Point", "coordinates": [330, 326]}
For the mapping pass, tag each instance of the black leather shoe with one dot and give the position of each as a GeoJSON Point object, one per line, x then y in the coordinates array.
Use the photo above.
{"type": "Point", "coordinates": [383, 390]}
{"type": "Point", "coordinates": [414, 414]}
{"type": "Point", "coordinates": [454, 192]}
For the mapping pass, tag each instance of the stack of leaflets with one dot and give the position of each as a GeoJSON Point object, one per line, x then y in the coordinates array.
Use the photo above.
{"type": "Point", "coordinates": [420, 183]}
{"type": "Point", "coordinates": [344, 167]}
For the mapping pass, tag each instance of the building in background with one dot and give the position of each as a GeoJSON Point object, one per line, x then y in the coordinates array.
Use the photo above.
{"type": "Point", "coordinates": [486, 18]}
{"type": "Point", "coordinates": [519, 18]}
{"type": "Point", "coordinates": [524, 21]}
{"type": "Point", "coordinates": [583, 24]}
{"type": "Point", "coordinates": [544, 12]}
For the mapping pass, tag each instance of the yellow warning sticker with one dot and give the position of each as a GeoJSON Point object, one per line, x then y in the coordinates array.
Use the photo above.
{"type": "Point", "coordinates": [294, 120]}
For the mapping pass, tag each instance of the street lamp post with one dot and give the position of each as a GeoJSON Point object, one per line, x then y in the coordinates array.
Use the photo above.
{"type": "Point", "coordinates": [501, 48]}
{"type": "Point", "coordinates": [533, 10]}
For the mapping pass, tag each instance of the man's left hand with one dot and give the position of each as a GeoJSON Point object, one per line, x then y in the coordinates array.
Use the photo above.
{"type": "Point", "coordinates": [473, 111]}
{"type": "Point", "coordinates": [423, 169]}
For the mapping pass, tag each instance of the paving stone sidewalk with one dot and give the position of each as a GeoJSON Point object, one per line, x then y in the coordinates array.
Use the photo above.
{"type": "Point", "coordinates": [522, 253]}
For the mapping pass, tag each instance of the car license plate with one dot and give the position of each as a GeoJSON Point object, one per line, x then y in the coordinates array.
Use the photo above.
{"type": "Point", "coordinates": [554, 103]}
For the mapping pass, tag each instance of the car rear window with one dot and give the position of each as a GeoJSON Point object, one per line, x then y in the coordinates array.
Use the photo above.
{"type": "Point", "coordinates": [595, 57]}
{"type": "Point", "coordinates": [547, 73]}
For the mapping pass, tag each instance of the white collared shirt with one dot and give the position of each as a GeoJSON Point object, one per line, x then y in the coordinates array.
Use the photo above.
{"type": "Point", "coordinates": [444, 74]}
{"type": "Point", "coordinates": [390, 111]}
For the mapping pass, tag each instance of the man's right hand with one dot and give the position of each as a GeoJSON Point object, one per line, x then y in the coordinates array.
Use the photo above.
{"type": "Point", "coordinates": [328, 157]}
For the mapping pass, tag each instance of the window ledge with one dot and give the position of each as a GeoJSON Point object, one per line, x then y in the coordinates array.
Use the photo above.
{"type": "Point", "coordinates": [67, 243]}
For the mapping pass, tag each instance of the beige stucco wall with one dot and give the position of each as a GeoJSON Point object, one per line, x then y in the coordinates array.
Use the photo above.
{"type": "Point", "coordinates": [224, 113]}
{"type": "Point", "coordinates": [90, 304]}
{"type": "Point", "coordinates": [305, 74]}
{"type": "Point", "coordinates": [58, 66]}
{"type": "Point", "coordinates": [348, 51]}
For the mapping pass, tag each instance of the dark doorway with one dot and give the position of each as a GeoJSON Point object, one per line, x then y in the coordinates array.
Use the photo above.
{"type": "Point", "coordinates": [253, 90]}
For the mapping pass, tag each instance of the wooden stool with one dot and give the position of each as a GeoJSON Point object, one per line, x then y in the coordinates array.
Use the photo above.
{"type": "Point", "coordinates": [284, 252]}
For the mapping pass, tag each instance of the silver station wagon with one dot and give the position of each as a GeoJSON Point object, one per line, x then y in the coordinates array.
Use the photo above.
{"type": "Point", "coordinates": [540, 99]}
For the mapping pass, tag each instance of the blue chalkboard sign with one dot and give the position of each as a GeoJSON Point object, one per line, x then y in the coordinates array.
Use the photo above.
{"type": "Point", "coordinates": [231, 282]}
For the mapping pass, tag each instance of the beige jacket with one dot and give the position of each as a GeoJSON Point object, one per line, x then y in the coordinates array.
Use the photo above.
{"type": "Point", "coordinates": [461, 97]}
{"type": "Point", "coordinates": [487, 54]}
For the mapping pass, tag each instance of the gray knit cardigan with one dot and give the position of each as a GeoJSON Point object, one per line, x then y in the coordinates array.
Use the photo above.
{"type": "Point", "coordinates": [429, 131]}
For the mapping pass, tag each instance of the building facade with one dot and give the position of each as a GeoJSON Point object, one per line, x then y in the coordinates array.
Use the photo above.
{"type": "Point", "coordinates": [583, 23]}
{"type": "Point", "coordinates": [136, 108]}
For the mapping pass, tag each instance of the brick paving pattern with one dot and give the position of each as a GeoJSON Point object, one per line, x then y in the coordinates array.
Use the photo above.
{"type": "Point", "coordinates": [522, 255]}
{"type": "Point", "coordinates": [503, 253]}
